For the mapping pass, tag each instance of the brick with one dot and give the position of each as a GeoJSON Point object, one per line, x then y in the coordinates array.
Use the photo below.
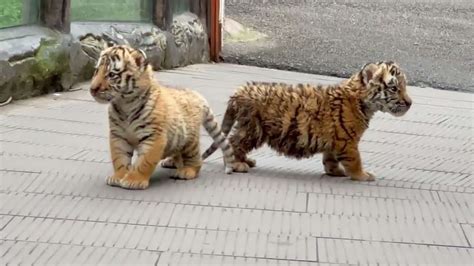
{"type": "Point", "coordinates": [377, 252]}
{"type": "Point", "coordinates": [156, 239]}
{"type": "Point", "coordinates": [376, 207]}
{"type": "Point", "coordinates": [4, 220]}
{"type": "Point", "coordinates": [468, 230]}
{"type": "Point", "coordinates": [16, 181]}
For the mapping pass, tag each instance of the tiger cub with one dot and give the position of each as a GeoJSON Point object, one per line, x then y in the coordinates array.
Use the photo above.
{"type": "Point", "coordinates": [301, 120]}
{"type": "Point", "coordinates": [155, 121]}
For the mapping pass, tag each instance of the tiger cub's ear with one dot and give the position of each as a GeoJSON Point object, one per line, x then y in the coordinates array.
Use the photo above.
{"type": "Point", "coordinates": [140, 58]}
{"type": "Point", "coordinates": [108, 44]}
{"type": "Point", "coordinates": [368, 72]}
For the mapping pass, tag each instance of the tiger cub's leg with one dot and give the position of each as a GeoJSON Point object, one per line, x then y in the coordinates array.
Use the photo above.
{"type": "Point", "coordinates": [243, 143]}
{"type": "Point", "coordinates": [331, 165]}
{"type": "Point", "coordinates": [121, 152]}
{"type": "Point", "coordinates": [172, 162]}
{"type": "Point", "coordinates": [251, 162]}
{"type": "Point", "coordinates": [352, 163]}
{"type": "Point", "coordinates": [191, 161]}
{"type": "Point", "coordinates": [150, 152]}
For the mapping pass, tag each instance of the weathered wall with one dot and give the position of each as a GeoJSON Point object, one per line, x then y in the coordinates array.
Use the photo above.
{"type": "Point", "coordinates": [41, 61]}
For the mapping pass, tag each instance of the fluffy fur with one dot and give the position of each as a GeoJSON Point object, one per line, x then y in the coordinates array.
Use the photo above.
{"type": "Point", "coordinates": [154, 121]}
{"type": "Point", "coordinates": [301, 120]}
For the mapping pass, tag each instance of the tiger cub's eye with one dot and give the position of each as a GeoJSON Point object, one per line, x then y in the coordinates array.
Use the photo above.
{"type": "Point", "coordinates": [393, 89]}
{"type": "Point", "coordinates": [112, 75]}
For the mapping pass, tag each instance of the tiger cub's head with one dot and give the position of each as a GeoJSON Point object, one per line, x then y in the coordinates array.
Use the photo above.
{"type": "Point", "coordinates": [385, 86]}
{"type": "Point", "coordinates": [120, 71]}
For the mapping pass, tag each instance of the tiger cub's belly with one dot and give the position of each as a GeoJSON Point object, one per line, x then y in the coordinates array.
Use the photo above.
{"type": "Point", "coordinates": [177, 138]}
{"type": "Point", "coordinates": [296, 145]}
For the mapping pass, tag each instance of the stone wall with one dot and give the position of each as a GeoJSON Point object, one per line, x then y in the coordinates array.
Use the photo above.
{"type": "Point", "coordinates": [35, 61]}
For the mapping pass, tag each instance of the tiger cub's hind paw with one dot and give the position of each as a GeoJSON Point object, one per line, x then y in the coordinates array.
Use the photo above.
{"type": "Point", "coordinates": [241, 167]}
{"type": "Point", "coordinates": [187, 173]}
{"type": "Point", "coordinates": [251, 162]}
{"type": "Point", "coordinates": [168, 163]}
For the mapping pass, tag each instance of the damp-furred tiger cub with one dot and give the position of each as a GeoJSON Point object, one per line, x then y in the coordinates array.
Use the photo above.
{"type": "Point", "coordinates": [301, 120]}
{"type": "Point", "coordinates": [154, 121]}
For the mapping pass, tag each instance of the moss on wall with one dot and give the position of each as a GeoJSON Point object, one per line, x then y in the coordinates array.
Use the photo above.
{"type": "Point", "coordinates": [40, 73]}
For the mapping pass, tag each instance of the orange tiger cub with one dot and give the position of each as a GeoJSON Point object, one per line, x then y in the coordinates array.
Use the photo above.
{"type": "Point", "coordinates": [301, 120]}
{"type": "Point", "coordinates": [154, 121]}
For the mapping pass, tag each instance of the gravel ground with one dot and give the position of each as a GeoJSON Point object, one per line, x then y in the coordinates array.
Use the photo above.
{"type": "Point", "coordinates": [433, 40]}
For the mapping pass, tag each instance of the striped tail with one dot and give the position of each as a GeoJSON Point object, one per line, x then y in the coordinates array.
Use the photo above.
{"type": "Point", "coordinates": [212, 127]}
{"type": "Point", "coordinates": [227, 124]}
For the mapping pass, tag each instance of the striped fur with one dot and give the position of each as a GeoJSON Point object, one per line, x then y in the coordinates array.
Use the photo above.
{"type": "Point", "coordinates": [300, 121]}
{"type": "Point", "coordinates": [154, 121]}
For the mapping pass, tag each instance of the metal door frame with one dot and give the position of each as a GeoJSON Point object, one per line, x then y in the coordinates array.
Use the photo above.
{"type": "Point", "coordinates": [216, 18]}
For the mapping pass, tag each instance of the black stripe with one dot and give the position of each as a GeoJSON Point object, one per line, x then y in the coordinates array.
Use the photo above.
{"type": "Point", "coordinates": [220, 141]}
{"type": "Point", "coordinates": [142, 139]}
{"type": "Point", "coordinates": [345, 146]}
{"type": "Point", "coordinates": [118, 111]}
{"type": "Point", "coordinates": [341, 121]}
{"type": "Point", "coordinates": [147, 115]}
{"type": "Point", "coordinates": [345, 158]}
{"type": "Point", "coordinates": [138, 112]}
{"type": "Point", "coordinates": [114, 121]}
{"type": "Point", "coordinates": [142, 126]}
{"type": "Point", "coordinates": [127, 79]}
{"type": "Point", "coordinates": [115, 134]}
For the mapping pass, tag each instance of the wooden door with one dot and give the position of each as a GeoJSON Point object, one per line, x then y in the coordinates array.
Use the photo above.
{"type": "Point", "coordinates": [215, 32]}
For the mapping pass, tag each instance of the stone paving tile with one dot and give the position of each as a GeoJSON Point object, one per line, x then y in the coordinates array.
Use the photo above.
{"type": "Point", "coordinates": [232, 219]}
{"type": "Point", "coordinates": [37, 253]}
{"type": "Point", "coordinates": [369, 252]}
{"type": "Point", "coordinates": [4, 220]}
{"type": "Point", "coordinates": [468, 230]}
{"type": "Point", "coordinates": [16, 181]}
{"type": "Point", "coordinates": [167, 258]}
{"type": "Point", "coordinates": [56, 207]}
{"type": "Point", "coordinates": [54, 139]}
{"type": "Point", "coordinates": [392, 208]}
{"type": "Point", "coordinates": [129, 236]}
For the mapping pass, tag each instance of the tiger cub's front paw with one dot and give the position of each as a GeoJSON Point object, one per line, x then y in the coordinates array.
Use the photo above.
{"type": "Point", "coordinates": [338, 171]}
{"type": "Point", "coordinates": [134, 181]}
{"type": "Point", "coordinates": [364, 176]}
{"type": "Point", "coordinates": [113, 180]}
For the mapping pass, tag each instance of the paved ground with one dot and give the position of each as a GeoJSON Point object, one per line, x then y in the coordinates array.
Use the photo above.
{"type": "Point", "coordinates": [56, 207]}
{"type": "Point", "coordinates": [432, 39]}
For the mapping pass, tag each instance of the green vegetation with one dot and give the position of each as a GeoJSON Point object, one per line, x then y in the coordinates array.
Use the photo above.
{"type": "Point", "coordinates": [10, 13]}
{"type": "Point", "coordinates": [18, 12]}
{"type": "Point", "coordinates": [107, 10]}
{"type": "Point", "coordinates": [179, 6]}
